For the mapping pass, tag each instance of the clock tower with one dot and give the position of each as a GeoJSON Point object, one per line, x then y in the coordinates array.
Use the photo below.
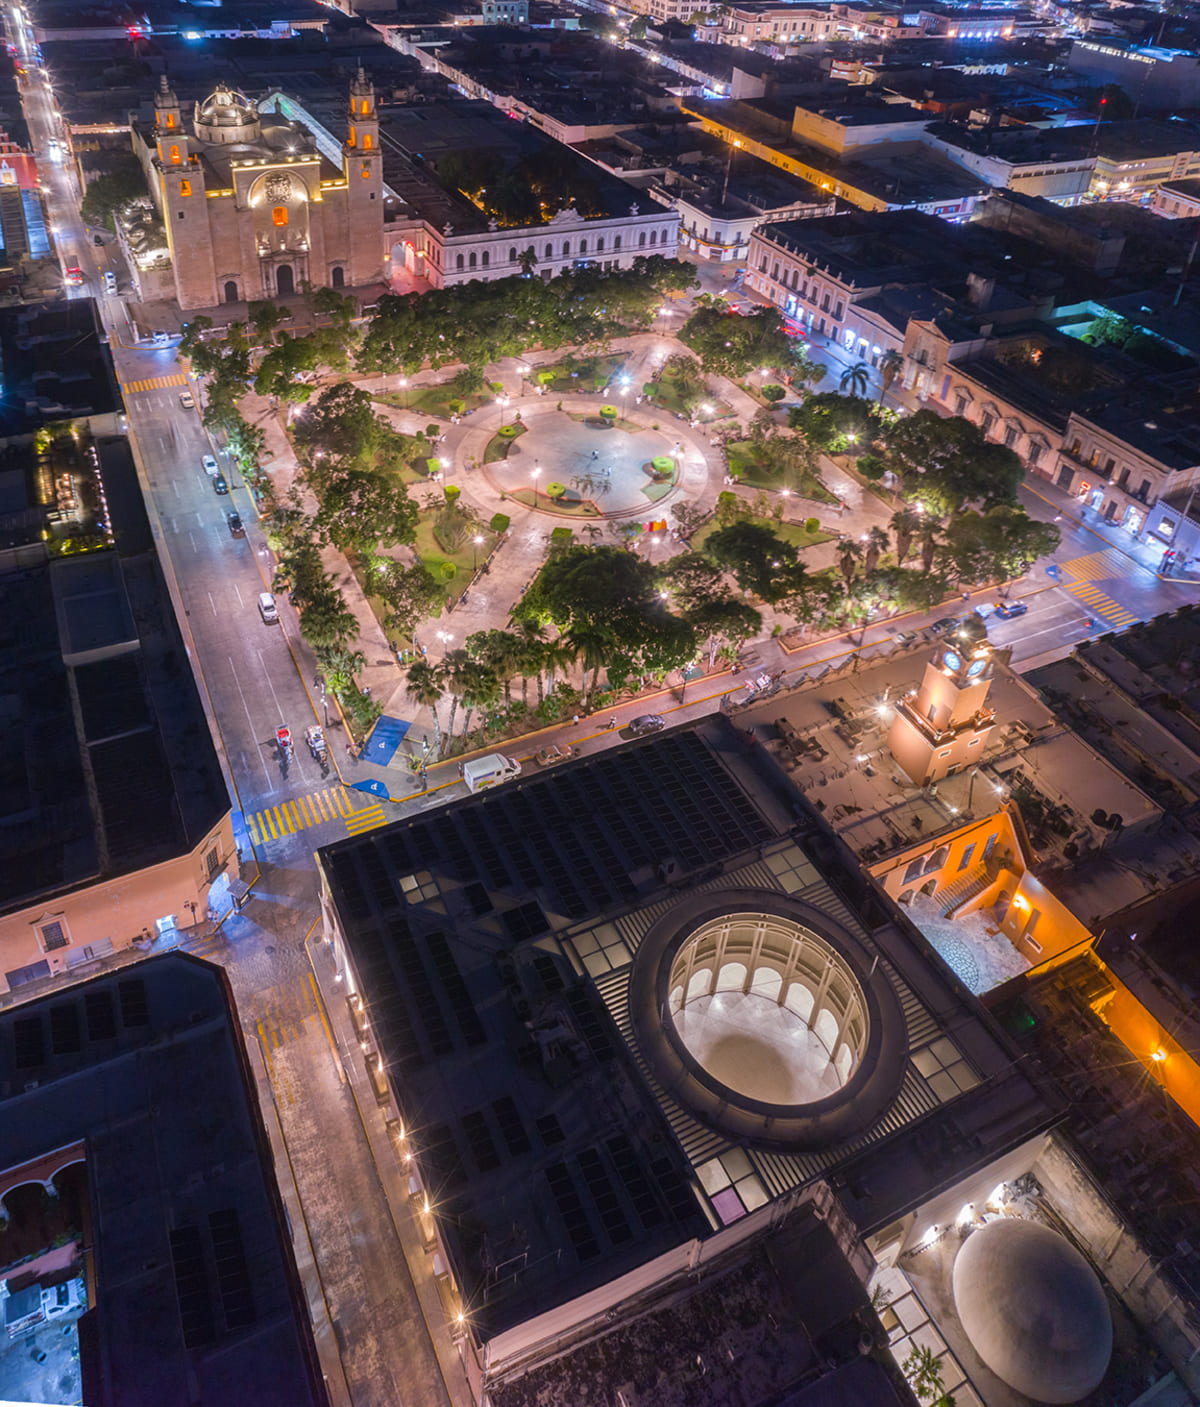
{"type": "Point", "coordinates": [943, 728]}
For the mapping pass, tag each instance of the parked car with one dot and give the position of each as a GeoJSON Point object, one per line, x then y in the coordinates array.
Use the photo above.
{"type": "Point", "coordinates": [1009, 610]}
{"type": "Point", "coordinates": [267, 608]}
{"type": "Point", "coordinates": [947, 623]}
{"type": "Point", "coordinates": [210, 465]}
{"type": "Point", "coordinates": [647, 723]}
{"type": "Point", "coordinates": [220, 485]}
{"type": "Point", "coordinates": [235, 524]}
{"type": "Point", "coordinates": [188, 402]}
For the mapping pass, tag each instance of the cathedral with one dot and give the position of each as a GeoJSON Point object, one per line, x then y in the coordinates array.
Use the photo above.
{"type": "Point", "coordinates": [254, 210]}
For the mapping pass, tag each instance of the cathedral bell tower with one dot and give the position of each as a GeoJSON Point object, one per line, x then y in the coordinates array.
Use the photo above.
{"type": "Point", "coordinates": [362, 163]}
{"type": "Point", "coordinates": [181, 201]}
{"type": "Point", "coordinates": [943, 728]}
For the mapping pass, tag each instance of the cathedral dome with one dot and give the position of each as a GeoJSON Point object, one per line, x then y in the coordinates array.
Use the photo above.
{"type": "Point", "coordinates": [227, 117]}
{"type": "Point", "coordinates": [1033, 1309]}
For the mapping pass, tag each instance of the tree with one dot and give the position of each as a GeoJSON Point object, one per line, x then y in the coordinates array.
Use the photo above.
{"type": "Point", "coordinates": [698, 586]}
{"type": "Point", "coordinates": [111, 192]}
{"type": "Point", "coordinates": [874, 547]}
{"type": "Point", "coordinates": [613, 591]}
{"type": "Point", "coordinates": [326, 621]}
{"type": "Point", "coordinates": [831, 422]}
{"type": "Point", "coordinates": [855, 379]}
{"type": "Point", "coordinates": [891, 364]}
{"type": "Point", "coordinates": [479, 688]}
{"type": "Point", "coordinates": [341, 422]}
{"type": "Point", "coordinates": [361, 510]}
{"type": "Point", "coordinates": [340, 308]}
{"type": "Point", "coordinates": [923, 1369]}
{"type": "Point", "coordinates": [425, 689]}
{"type": "Point", "coordinates": [732, 344]}
{"type": "Point", "coordinates": [266, 317]}
{"type": "Point", "coordinates": [527, 259]}
{"type": "Point", "coordinates": [849, 554]}
{"type": "Point", "coordinates": [410, 594]}
{"type": "Point", "coordinates": [906, 523]}
{"type": "Point", "coordinates": [758, 559]}
{"type": "Point", "coordinates": [997, 545]}
{"type": "Point", "coordinates": [947, 463]}
{"type": "Point", "coordinates": [279, 369]}
{"type": "Point", "coordinates": [502, 651]}
{"type": "Point", "coordinates": [687, 517]}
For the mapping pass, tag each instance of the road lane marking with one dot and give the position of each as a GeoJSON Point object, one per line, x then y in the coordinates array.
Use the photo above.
{"type": "Point", "coordinates": [249, 720]}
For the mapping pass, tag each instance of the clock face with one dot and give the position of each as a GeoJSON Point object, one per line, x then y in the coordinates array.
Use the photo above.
{"type": "Point", "coordinates": [951, 660]}
{"type": "Point", "coordinates": [975, 668]}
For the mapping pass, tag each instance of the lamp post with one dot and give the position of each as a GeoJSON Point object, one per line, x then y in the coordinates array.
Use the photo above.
{"type": "Point", "coordinates": [404, 389]}
{"type": "Point", "coordinates": [475, 541]}
{"type": "Point", "coordinates": [537, 474]}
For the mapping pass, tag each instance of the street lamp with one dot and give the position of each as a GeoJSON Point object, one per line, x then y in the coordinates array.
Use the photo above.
{"type": "Point", "coordinates": [475, 541]}
{"type": "Point", "coordinates": [404, 397]}
{"type": "Point", "coordinates": [537, 474]}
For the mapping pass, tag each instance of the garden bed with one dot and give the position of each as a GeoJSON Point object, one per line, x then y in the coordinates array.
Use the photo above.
{"type": "Point", "coordinates": [755, 470]}
{"type": "Point", "coordinates": [573, 507]}
{"type": "Point", "coordinates": [597, 422]}
{"type": "Point", "coordinates": [795, 533]}
{"type": "Point", "coordinates": [502, 441]}
{"type": "Point", "coordinates": [433, 400]}
{"type": "Point", "coordinates": [436, 556]}
{"type": "Point", "coordinates": [593, 373]}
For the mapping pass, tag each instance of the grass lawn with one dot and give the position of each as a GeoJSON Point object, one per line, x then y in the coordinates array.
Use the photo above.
{"type": "Point", "coordinates": [666, 397]}
{"type": "Point", "coordinates": [434, 555]}
{"type": "Point", "coordinates": [795, 533]}
{"type": "Point", "coordinates": [433, 400]}
{"type": "Point", "coordinates": [593, 373]}
{"type": "Point", "coordinates": [750, 469]}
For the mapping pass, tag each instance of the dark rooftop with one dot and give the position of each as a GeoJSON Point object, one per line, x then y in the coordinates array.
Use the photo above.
{"type": "Point", "coordinates": [53, 365]}
{"type": "Point", "coordinates": [196, 1296]}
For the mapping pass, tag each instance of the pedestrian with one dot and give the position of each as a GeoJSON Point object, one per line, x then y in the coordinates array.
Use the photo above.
{"type": "Point", "coordinates": [460, 769]}
{"type": "Point", "coordinates": [575, 721]}
{"type": "Point", "coordinates": [594, 455]}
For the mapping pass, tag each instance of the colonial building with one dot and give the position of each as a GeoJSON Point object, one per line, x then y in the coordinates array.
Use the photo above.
{"type": "Point", "coordinates": [255, 209]}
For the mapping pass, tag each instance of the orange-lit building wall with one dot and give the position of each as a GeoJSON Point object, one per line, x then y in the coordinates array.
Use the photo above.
{"type": "Point", "coordinates": [1144, 1036]}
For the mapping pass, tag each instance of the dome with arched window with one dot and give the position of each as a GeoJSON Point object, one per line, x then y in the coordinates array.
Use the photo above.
{"type": "Point", "coordinates": [227, 117]}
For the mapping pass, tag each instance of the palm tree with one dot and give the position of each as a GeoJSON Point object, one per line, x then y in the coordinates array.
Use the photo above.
{"type": "Point", "coordinates": [527, 259]}
{"type": "Point", "coordinates": [480, 689]}
{"type": "Point", "coordinates": [425, 689]}
{"type": "Point", "coordinates": [557, 654]}
{"type": "Point", "coordinates": [593, 646]}
{"type": "Point", "coordinates": [931, 536]}
{"type": "Point", "coordinates": [530, 656]}
{"type": "Point", "coordinates": [456, 677]}
{"type": "Point", "coordinates": [891, 364]}
{"type": "Point", "coordinates": [855, 380]}
{"type": "Point", "coordinates": [849, 554]}
{"type": "Point", "coordinates": [906, 523]}
{"type": "Point", "coordinates": [876, 545]}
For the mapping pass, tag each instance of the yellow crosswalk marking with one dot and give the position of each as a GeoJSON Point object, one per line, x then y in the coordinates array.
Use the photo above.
{"type": "Point", "coordinates": [1098, 566]}
{"type": "Point", "coordinates": [1103, 605]}
{"type": "Point", "coordinates": [365, 820]}
{"type": "Point", "coordinates": [154, 383]}
{"type": "Point", "coordinates": [301, 812]}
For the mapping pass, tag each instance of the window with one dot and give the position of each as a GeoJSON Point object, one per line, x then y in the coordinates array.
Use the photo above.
{"type": "Point", "coordinates": [960, 405]}
{"type": "Point", "coordinates": [212, 862]}
{"type": "Point", "coordinates": [549, 251]}
{"type": "Point", "coordinates": [974, 742]}
{"type": "Point", "coordinates": [583, 246]}
{"type": "Point", "coordinates": [458, 262]}
{"type": "Point", "coordinates": [279, 216]}
{"type": "Point", "coordinates": [966, 856]}
{"type": "Point", "coordinates": [366, 141]}
{"type": "Point", "coordinates": [986, 424]}
{"type": "Point", "coordinates": [366, 171]}
{"type": "Point", "coordinates": [182, 214]}
{"type": "Point", "coordinates": [185, 188]}
{"type": "Point", "coordinates": [653, 238]}
{"type": "Point", "coordinates": [1109, 465]}
{"type": "Point", "coordinates": [1123, 481]}
{"type": "Point", "coordinates": [471, 258]}
{"type": "Point", "coordinates": [837, 312]}
{"type": "Point", "coordinates": [175, 155]}
{"type": "Point", "coordinates": [762, 268]}
{"type": "Point", "coordinates": [944, 1069]}
{"type": "Point", "coordinates": [642, 239]}
{"type": "Point", "coordinates": [512, 256]}
{"type": "Point", "coordinates": [916, 868]}
{"type": "Point", "coordinates": [1035, 453]}
{"type": "Point", "coordinates": [617, 242]}
{"type": "Point", "coordinates": [825, 303]}
{"type": "Point", "coordinates": [1010, 436]}
{"type": "Point", "coordinates": [945, 752]}
{"type": "Point", "coordinates": [54, 935]}
{"type": "Point", "coordinates": [170, 119]}
{"type": "Point", "coordinates": [483, 258]}
{"type": "Point", "coordinates": [600, 245]}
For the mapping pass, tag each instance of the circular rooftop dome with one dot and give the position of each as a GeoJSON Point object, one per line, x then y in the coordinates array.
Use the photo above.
{"type": "Point", "coordinates": [1034, 1310]}
{"type": "Point", "coordinates": [226, 117]}
{"type": "Point", "coordinates": [767, 1019]}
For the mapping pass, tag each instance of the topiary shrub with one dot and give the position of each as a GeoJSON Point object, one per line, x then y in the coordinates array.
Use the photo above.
{"type": "Point", "coordinates": [509, 432]}
{"type": "Point", "coordinates": [870, 466]}
{"type": "Point", "coordinates": [773, 393]}
{"type": "Point", "coordinates": [812, 525]}
{"type": "Point", "coordinates": [609, 413]}
{"type": "Point", "coordinates": [448, 571]}
{"type": "Point", "coordinates": [431, 432]}
{"type": "Point", "coordinates": [451, 491]}
{"type": "Point", "coordinates": [555, 490]}
{"type": "Point", "coordinates": [499, 522]}
{"type": "Point", "coordinates": [457, 407]}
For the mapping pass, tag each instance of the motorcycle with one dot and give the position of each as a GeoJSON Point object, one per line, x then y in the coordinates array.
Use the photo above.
{"type": "Point", "coordinates": [283, 741]}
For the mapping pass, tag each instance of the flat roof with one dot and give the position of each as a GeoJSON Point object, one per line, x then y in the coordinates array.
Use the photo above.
{"type": "Point", "coordinates": [493, 942]}
{"type": "Point", "coordinates": [175, 1185]}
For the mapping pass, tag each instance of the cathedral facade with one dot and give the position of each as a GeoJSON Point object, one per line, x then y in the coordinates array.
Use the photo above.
{"type": "Point", "coordinates": [253, 209]}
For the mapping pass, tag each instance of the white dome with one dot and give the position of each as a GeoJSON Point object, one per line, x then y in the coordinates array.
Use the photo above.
{"type": "Point", "coordinates": [1033, 1310]}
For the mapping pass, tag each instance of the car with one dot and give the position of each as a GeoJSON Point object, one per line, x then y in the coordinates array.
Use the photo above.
{"type": "Point", "coordinates": [1009, 610]}
{"type": "Point", "coordinates": [647, 723]}
{"type": "Point", "coordinates": [188, 402]}
{"type": "Point", "coordinates": [210, 465]}
{"type": "Point", "coordinates": [220, 485]}
{"type": "Point", "coordinates": [267, 608]}
{"type": "Point", "coordinates": [73, 276]}
{"type": "Point", "coordinates": [235, 524]}
{"type": "Point", "coordinates": [161, 339]}
{"type": "Point", "coordinates": [947, 623]}
{"type": "Point", "coordinates": [110, 281]}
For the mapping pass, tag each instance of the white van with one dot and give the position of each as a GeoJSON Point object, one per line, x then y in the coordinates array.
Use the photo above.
{"type": "Point", "coordinates": [268, 609]}
{"type": "Point", "coordinates": [110, 281]}
{"type": "Point", "coordinates": [489, 771]}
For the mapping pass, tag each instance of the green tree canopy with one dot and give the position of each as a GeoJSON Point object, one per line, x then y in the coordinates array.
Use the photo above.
{"type": "Point", "coordinates": [341, 423]}
{"type": "Point", "coordinates": [997, 545]}
{"type": "Point", "coordinates": [733, 345]}
{"type": "Point", "coordinates": [833, 422]}
{"type": "Point", "coordinates": [946, 463]}
{"type": "Point", "coordinates": [111, 192]}
{"type": "Point", "coordinates": [758, 559]}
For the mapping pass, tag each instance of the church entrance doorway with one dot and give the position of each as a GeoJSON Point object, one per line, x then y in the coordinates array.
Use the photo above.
{"type": "Point", "coordinates": [285, 281]}
{"type": "Point", "coordinates": [231, 292]}
{"type": "Point", "coordinates": [339, 277]}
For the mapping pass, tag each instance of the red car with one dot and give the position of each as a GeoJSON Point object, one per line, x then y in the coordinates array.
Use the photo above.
{"type": "Point", "coordinates": [74, 276]}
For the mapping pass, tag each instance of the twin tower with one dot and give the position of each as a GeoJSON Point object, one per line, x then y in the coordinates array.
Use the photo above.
{"type": "Point", "coordinates": [252, 208]}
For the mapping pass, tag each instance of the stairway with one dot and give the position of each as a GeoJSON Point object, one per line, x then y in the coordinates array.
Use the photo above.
{"type": "Point", "coordinates": [964, 888]}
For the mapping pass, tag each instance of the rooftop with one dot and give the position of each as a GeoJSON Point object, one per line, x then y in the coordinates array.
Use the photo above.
{"type": "Point", "coordinates": [501, 945]}
{"type": "Point", "coordinates": [175, 1186]}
